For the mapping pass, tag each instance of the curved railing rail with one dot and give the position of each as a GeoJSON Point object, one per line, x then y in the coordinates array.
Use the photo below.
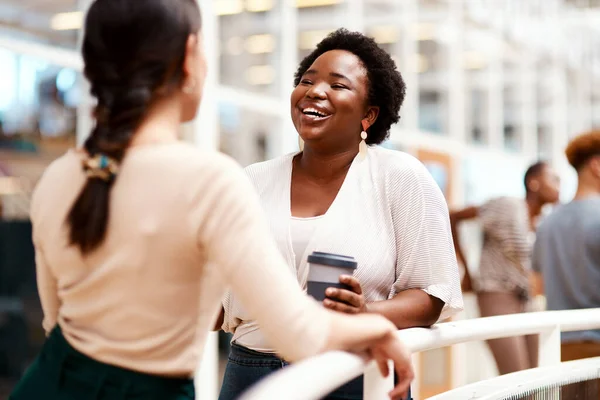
{"type": "Point", "coordinates": [318, 376]}
{"type": "Point", "coordinates": [548, 380]}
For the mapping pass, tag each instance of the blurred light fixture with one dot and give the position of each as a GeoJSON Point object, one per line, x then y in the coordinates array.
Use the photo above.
{"type": "Point", "coordinates": [419, 63]}
{"type": "Point", "coordinates": [235, 46]}
{"type": "Point", "coordinates": [260, 75]}
{"type": "Point", "coordinates": [424, 31]}
{"type": "Point", "coordinates": [474, 60]}
{"type": "Point", "coordinates": [308, 40]}
{"type": "Point", "coordinates": [384, 34]}
{"type": "Point", "coordinates": [228, 7]}
{"type": "Point", "coordinates": [259, 5]}
{"type": "Point", "coordinates": [260, 44]}
{"type": "Point", "coordinates": [65, 79]}
{"type": "Point", "coordinates": [316, 3]}
{"type": "Point", "coordinates": [67, 21]}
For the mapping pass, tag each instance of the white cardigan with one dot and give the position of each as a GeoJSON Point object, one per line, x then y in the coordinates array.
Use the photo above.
{"type": "Point", "coordinates": [389, 214]}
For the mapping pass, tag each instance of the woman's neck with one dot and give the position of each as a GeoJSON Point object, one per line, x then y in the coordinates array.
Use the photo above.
{"type": "Point", "coordinates": [325, 166]}
{"type": "Point", "coordinates": [161, 125]}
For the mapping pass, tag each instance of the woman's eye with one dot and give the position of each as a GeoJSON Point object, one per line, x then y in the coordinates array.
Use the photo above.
{"type": "Point", "coordinates": [338, 86]}
{"type": "Point", "coordinates": [305, 82]}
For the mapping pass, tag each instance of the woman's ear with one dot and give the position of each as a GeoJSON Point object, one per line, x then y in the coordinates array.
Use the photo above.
{"type": "Point", "coordinates": [190, 61]}
{"type": "Point", "coordinates": [371, 116]}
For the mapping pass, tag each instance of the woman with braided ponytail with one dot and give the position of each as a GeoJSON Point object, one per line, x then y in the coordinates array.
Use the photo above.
{"type": "Point", "coordinates": [137, 235]}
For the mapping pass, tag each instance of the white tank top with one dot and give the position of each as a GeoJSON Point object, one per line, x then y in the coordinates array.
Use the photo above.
{"type": "Point", "coordinates": [302, 230]}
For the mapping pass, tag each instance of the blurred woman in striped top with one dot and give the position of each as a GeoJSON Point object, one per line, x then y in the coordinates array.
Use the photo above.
{"type": "Point", "coordinates": [503, 286]}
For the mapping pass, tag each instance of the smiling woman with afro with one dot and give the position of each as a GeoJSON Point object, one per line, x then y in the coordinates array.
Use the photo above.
{"type": "Point", "coordinates": [345, 195]}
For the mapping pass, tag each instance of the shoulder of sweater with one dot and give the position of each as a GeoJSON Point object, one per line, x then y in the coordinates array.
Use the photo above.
{"type": "Point", "coordinates": [184, 158]}
{"type": "Point", "coordinates": [269, 166]}
{"type": "Point", "coordinates": [195, 155]}
{"type": "Point", "coordinates": [59, 167]}
{"type": "Point", "coordinates": [400, 165]}
{"type": "Point", "coordinates": [267, 173]}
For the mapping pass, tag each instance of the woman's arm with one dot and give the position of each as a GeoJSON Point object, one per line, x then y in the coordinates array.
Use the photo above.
{"type": "Point", "coordinates": [48, 291]}
{"type": "Point", "coordinates": [455, 218]}
{"type": "Point", "coordinates": [427, 285]}
{"type": "Point", "coordinates": [408, 309]}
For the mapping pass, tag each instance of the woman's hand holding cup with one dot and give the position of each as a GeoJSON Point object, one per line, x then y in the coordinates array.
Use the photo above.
{"type": "Point", "coordinates": [349, 301]}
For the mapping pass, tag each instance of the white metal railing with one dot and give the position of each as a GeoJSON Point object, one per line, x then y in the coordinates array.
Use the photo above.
{"type": "Point", "coordinates": [318, 376]}
{"type": "Point", "coordinates": [546, 379]}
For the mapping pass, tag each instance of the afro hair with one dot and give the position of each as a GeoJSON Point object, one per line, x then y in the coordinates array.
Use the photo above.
{"type": "Point", "coordinates": [582, 148]}
{"type": "Point", "coordinates": [386, 86]}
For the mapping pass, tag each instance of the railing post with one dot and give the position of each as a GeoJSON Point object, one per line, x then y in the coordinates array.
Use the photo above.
{"type": "Point", "coordinates": [375, 385]}
{"type": "Point", "coordinates": [415, 388]}
{"type": "Point", "coordinates": [549, 347]}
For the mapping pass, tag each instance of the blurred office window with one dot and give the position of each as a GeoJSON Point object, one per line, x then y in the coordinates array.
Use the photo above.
{"type": "Point", "coordinates": [309, 38]}
{"type": "Point", "coordinates": [247, 135]}
{"type": "Point", "coordinates": [380, 9]}
{"type": "Point", "coordinates": [37, 124]}
{"type": "Point", "coordinates": [596, 105]}
{"type": "Point", "coordinates": [431, 65]}
{"type": "Point", "coordinates": [544, 99]}
{"type": "Point", "coordinates": [511, 125]}
{"type": "Point", "coordinates": [249, 46]}
{"type": "Point", "coordinates": [477, 116]}
{"type": "Point", "coordinates": [544, 138]}
{"type": "Point", "coordinates": [51, 22]}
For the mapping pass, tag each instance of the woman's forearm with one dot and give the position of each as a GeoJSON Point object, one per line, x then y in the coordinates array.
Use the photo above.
{"type": "Point", "coordinates": [409, 309]}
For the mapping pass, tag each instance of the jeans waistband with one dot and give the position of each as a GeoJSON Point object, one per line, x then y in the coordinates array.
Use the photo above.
{"type": "Point", "coordinates": [244, 355]}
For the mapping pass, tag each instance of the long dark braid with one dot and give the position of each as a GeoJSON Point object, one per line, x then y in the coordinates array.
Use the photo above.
{"type": "Point", "coordinates": [133, 52]}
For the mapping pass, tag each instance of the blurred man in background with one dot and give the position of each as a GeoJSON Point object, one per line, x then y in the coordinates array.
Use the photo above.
{"type": "Point", "coordinates": [503, 285]}
{"type": "Point", "coordinates": [567, 250]}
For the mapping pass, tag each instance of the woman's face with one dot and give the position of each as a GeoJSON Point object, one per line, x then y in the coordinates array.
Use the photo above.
{"type": "Point", "coordinates": [330, 101]}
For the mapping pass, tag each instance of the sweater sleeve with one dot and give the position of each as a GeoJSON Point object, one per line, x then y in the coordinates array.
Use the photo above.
{"type": "Point", "coordinates": [425, 253]}
{"type": "Point", "coordinates": [237, 241]}
{"type": "Point", "coordinates": [46, 281]}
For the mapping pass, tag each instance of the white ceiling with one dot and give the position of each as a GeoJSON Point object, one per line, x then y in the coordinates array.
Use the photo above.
{"type": "Point", "coordinates": [31, 18]}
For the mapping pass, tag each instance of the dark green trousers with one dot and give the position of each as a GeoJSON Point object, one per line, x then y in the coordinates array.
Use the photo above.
{"type": "Point", "coordinates": [62, 373]}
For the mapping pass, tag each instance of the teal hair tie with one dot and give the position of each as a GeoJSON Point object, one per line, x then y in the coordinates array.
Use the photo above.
{"type": "Point", "coordinates": [101, 166]}
{"type": "Point", "coordinates": [103, 161]}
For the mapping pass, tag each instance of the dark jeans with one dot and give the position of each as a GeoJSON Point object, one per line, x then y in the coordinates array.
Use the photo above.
{"type": "Point", "coordinates": [246, 367]}
{"type": "Point", "coordinates": [62, 373]}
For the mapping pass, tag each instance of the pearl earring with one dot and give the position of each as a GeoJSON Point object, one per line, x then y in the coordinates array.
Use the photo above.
{"type": "Point", "coordinates": [362, 147]}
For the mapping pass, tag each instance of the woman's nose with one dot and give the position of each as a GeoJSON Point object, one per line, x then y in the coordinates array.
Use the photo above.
{"type": "Point", "coordinates": [317, 91]}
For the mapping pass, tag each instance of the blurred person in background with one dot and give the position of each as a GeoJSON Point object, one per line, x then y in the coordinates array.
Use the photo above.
{"type": "Point", "coordinates": [343, 194]}
{"type": "Point", "coordinates": [567, 250]}
{"type": "Point", "coordinates": [54, 117]}
{"type": "Point", "coordinates": [505, 284]}
{"type": "Point", "coordinates": [138, 234]}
